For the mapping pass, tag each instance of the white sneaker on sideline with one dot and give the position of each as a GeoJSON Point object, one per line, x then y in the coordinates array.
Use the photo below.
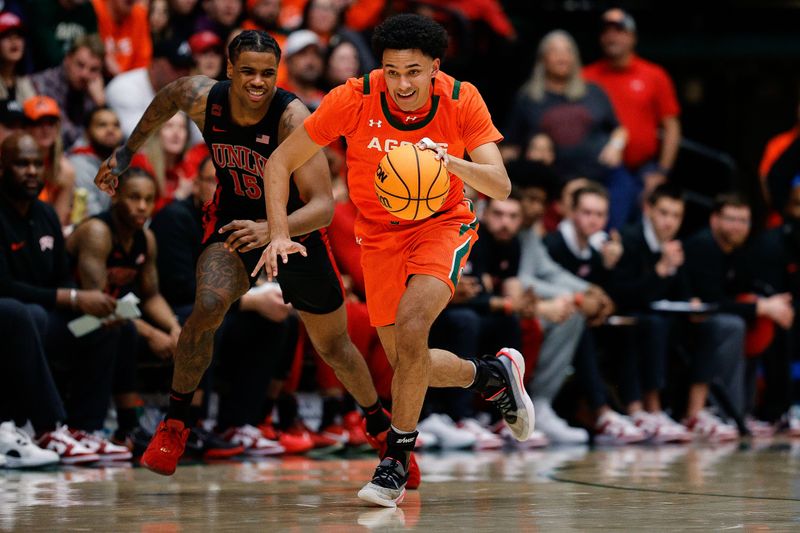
{"type": "Point", "coordinates": [425, 440]}
{"type": "Point", "coordinates": [450, 437]}
{"type": "Point", "coordinates": [614, 428]}
{"type": "Point", "coordinates": [484, 439]}
{"type": "Point", "coordinates": [66, 446]}
{"type": "Point", "coordinates": [18, 450]}
{"type": "Point", "coordinates": [253, 441]}
{"type": "Point", "coordinates": [104, 448]}
{"type": "Point", "coordinates": [711, 428]}
{"type": "Point", "coordinates": [536, 440]}
{"type": "Point", "coordinates": [556, 428]}
{"type": "Point", "coordinates": [660, 428]}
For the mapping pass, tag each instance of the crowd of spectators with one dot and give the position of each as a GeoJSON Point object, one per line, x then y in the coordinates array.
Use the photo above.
{"type": "Point", "coordinates": [632, 331]}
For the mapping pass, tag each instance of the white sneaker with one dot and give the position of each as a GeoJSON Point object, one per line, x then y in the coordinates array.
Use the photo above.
{"type": "Point", "coordinates": [19, 451]}
{"type": "Point", "coordinates": [484, 439]}
{"type": "Point", "coordinates": [68, 449]}
{"type": "Point", "coordinates": [759, 428]}
{"type": "Point", "coordinates": [425, 440]}
{"type": "Point", "coordinates": [556, 428]}
{"type": "Point", "coordinates": [707, 426]}
{"type": "Point", "coordinates": [536, 440]}
{"type": "Point", "coordinates": [450, 437]}
{"type": "Point", "coordinates": [613, 428]}
{"type": "Point", "coordinates": [105, 449]}
{"type": "Point", "coordinates": [253, 441]}
{"type": "Point", "coordinates": [660, 428]}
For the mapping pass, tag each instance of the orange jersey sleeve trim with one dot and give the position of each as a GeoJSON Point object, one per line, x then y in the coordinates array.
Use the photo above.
{"type": "Point", "coordinates": [338, 113]}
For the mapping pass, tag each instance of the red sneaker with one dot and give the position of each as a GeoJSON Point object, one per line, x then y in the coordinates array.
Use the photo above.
{"type": "Point", "coordinates": [322, 444]}
{"type": "Point", "coordinates": [378, 442]}
{"type": "Point", "coordinates": [292, 443]}
{"type": "Point", "coordinates": [352, 423]}
{"type": "Point", "coordinates": [166, 448]}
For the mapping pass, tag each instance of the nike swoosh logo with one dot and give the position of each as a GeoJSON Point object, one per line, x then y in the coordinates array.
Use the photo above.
{"type": "Point", "coordinates": [17, 246]}
{"type": "Point", "coordinates": [214, 128]}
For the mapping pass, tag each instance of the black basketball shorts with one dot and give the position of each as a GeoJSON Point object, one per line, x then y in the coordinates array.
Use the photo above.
{"type": "Point", "coordinates": [311, 284]}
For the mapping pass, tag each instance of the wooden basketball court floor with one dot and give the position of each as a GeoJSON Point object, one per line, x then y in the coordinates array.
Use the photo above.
{"type": "Point", "coordinates": [748, 486]}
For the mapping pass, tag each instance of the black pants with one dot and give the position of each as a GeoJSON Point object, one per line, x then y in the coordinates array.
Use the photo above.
{"type": "Point", "coordinates": [457, 330]}
{"type": "Point", "coordinates": [643, 355]}
{"type": "Point", "coordinates": [83, 369]}
{"type": "Point", "coordinates": [251, 350]}
{"type": "Point", "coordinates": [587, 371]}
{"type": "Point", "coordinates": [28, 391]}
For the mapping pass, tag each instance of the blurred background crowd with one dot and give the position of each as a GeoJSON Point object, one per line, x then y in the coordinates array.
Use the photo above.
{"type": "Point", "coordinates": [646, 263]}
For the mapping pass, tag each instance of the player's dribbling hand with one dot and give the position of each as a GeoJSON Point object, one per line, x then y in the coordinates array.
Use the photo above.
{"type": "Point", "coordinates": [107, 177]}
{"type": "Point", "coordinates": [441, 152]}
{"type": "Point", "coordinates": [282, 246]}
{"type": "Point", "coordinates": [245, 235]}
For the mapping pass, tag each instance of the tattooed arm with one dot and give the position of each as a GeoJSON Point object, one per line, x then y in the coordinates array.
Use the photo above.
{"type": "Point", "coordinates": [188, 94]}
{"type": "Point", "coordinates": [298, 153]}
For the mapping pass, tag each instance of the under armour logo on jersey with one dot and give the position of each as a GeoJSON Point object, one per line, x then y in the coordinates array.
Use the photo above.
{"type": "Point", "coordinates": [411, 118]}
{"type": "Point", "coordinates": [375, 123]}
{"type": "Point", "coordinates": [46, 242]}
{"type": "Point", "coordinates": [216, 110]}
{"type": "Point", "coordinates": [263, 139]}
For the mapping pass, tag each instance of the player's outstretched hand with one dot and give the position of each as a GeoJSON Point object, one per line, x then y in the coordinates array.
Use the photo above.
{"type": "Point", "coordinates": [441, 152]}
{"type": "Point", "coordinates": [245, 235]}
{"type": "Point", "coordinates": [107, 177]}
{"type": "Point", "coordinates": [282, 246]}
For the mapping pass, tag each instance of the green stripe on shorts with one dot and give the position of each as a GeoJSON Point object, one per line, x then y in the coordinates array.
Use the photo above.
{"type": "Point", "coordinates": [458, 255]}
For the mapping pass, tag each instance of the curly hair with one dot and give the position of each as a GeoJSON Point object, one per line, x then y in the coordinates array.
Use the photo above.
{"type": "Point", "coordinates": [253, 41]}
{"type": "Point", "coordinates": [410, 32]}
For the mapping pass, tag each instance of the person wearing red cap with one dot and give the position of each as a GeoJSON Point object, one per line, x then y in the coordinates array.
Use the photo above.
{"type": "Point", "coordinates": [44, 124]}
{"type": "Point", "coordinates": [12, 50]}
{"type": "Point", "coordinates": [208, 54]}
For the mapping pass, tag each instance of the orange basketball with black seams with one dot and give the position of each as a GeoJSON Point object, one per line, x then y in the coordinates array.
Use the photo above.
{"type": "Point", "coordinates": [411, 183]}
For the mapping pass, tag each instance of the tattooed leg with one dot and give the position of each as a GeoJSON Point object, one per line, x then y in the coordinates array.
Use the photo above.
{"type": "Point", "coordinates": [221, 280]}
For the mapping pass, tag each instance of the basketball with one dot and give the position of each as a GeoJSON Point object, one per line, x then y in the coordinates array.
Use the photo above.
{"type": "Point", "coordinates": [411, 183]}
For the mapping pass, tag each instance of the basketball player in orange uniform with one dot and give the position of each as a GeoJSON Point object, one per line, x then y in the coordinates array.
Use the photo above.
{"type": "Point", "coordinates": [410, 267]}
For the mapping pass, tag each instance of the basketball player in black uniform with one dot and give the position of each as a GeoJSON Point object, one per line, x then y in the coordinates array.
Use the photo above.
{"type": "Point", "coordinates": [243, 120]}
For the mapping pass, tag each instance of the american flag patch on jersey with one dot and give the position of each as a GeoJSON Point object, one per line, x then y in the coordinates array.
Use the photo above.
{"type": "Point", "coordinates": [263, 139]}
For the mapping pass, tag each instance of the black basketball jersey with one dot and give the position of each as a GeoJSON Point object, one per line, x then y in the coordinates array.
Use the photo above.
{"type": "Point", "coordinates": [124, 267]}
{"type": "Point", "coordinates": [239, 154]}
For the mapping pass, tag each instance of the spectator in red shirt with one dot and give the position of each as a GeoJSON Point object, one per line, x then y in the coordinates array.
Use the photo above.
{"type": "Point", "coordinates": [643, 97]}
{"type": "Point", "coordinates": [124, 27]}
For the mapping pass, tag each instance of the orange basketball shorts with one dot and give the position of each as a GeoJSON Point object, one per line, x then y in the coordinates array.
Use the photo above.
{"type": "Point", "coordinates": [391, 253]}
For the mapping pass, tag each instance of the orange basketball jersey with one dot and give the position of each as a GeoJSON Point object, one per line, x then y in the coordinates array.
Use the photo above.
{"type": "Point", "coordinates": [363, 112]}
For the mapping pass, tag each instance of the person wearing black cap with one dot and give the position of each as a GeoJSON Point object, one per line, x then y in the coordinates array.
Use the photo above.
{"type": "Point", "coordinates": [130, 93]}
{"type": "Point", "coordinates": [12, 119]}
{"type": "Point", "coordinates": [643, 97]}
